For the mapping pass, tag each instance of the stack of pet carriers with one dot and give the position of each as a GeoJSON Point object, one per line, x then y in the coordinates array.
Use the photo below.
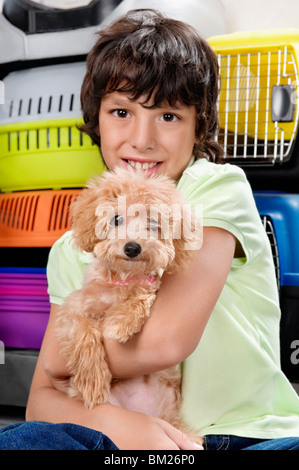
{"type": "Point", "coordinates": [44, 163]}
{"type": "Point", "coordinates": [259, 114]}
{"type": "Point", "coordinates": [44, 159]}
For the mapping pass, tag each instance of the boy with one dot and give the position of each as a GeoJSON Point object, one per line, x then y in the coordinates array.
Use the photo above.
{"type": "Point", "coordinates": [149, 100]}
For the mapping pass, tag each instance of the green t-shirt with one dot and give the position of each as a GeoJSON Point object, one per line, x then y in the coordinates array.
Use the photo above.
{"type": "Point", "coordinates": [232, 383]}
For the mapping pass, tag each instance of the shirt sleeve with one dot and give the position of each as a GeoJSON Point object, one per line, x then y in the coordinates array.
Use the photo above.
{"type": "Point", "coordinates": [65, 269]}
{"type": "Point", "coordinates": [223, 197]}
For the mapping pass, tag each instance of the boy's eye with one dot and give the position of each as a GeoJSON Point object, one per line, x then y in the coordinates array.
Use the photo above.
{"type": "Point", "coordinates": [169, 117]}
{"type": "Point", "coordinates": [121, 113]}
{"type": "Point", "coordinates": [117, 220]}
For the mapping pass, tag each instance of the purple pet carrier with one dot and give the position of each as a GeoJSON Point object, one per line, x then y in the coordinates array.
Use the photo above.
{"type": "Point", "coordinates": [24, 308]}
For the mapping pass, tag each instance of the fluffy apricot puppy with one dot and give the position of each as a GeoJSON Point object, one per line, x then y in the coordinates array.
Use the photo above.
{"type": "Point", "coordinates": [136, 228]}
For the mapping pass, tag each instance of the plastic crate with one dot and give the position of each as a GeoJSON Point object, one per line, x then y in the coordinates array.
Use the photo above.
{"type": "Point", "coordinates": [280, 213]}
{"type": "Point", "coordinates": [24, 308]}
{"type": "Point", "coordinates": [35, 218]}
{"type": "Point", "coordinates": [30, 270]}
{"type": "Point", "coordinates": [34, 31]}
{"type": "Point", "coordinates": [40, 144]}
{"type": "Point", "coordinates": [35, 18]}
{"type": "Point", "coordinates": [258, 104]}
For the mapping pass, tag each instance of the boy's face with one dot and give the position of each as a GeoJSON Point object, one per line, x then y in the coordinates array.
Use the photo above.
{"type": "Point", "coordinates": [158, 140]}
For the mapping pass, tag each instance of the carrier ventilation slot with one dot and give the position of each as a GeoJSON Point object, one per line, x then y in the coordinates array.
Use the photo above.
{"type": "Point", "coordinates": [60, 212]}
{"type": "Point", "coordinates": [45, 105]}
{"type": "Point", "coordinates": [269, 228]}
{"type": "Point", "coordinates": [42, 139]}
{"type": "Point", "coordinates": [19, 212]}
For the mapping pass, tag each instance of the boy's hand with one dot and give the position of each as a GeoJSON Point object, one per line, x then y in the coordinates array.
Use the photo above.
{"type": "Point", "coordinates": [137, 431]}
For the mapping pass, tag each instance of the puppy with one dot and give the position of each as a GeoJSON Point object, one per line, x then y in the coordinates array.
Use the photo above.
{"type": "Point", "coordinates": [136, 228]}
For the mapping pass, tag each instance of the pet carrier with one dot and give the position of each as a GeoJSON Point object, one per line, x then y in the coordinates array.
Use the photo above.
{"type": "Point", "coordinates": [280, 214]}
{"type": "Point", "coordinates": [258, 105]}
{"type": "Point", "coordinates": [24, 313]}
{"type": "Point", "coordinates": [24, 308]}
{"type": "Point", "coordinates": [34, 218]}
{"type": "Point", "coordinates": [23, 270]}
{"type": "Point", "coordinates": [31, 31]}
{"type": "Point", "coordinates": [40, 145]}
{"type": "Point", "coordinates": [15, 378]}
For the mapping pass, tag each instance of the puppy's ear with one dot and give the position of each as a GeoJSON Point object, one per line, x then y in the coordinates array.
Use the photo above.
{"type": "Point", "coordinates": [83, 215]}
{"type": "Point", "coordinates": [187, 236]}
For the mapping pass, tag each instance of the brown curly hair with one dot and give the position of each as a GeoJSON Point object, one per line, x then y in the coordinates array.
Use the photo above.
{"type": "Point", "coordinates": [147, 54]}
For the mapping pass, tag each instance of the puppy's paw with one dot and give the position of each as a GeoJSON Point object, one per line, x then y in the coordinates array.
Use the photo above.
{"type": "Point", "coordinates": [116, 329]}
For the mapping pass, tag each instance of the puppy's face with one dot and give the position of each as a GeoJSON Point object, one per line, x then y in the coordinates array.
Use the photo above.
{"type": "Point", "coordinates": [132, 224]}
{"type": "Point", "coordinates": [134, 237]}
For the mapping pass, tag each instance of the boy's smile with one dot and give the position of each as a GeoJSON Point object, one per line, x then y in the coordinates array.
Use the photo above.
{"type": "Point", "coordinates": [149, 166]}
{"type": "Point", "coordinates": [156, 140]}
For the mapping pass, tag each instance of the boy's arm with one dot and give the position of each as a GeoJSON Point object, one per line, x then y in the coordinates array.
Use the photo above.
{"type": "Point", "coordinates": [127, 429]}
{"type": "Point", "coordinates": [178, 317]}
{"type": "Point", "coordinates": [172, 332]}
{"type": "Point", "coordinates": [180, 313]}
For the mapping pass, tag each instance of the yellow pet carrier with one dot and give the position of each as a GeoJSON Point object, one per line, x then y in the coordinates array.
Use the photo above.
{"type": "Point", "coordinates": [40, 144]}
{"type": "Point", "coordinates": [258, 103]}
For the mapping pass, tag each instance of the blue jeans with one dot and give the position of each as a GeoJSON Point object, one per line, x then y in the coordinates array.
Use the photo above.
{"type": "Point", "coordinates": [219, 442]}
{"type": "Point", "coordinates": [38, 435]}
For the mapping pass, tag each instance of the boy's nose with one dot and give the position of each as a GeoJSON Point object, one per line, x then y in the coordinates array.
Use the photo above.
{"type": "Point", "coordinates": [143, 135]}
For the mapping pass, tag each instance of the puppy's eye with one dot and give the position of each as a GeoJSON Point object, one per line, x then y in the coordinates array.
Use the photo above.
{"type": "Point", "coordinates": [117, 220]}
{"type": "Point", "coordinates": [153, 225]}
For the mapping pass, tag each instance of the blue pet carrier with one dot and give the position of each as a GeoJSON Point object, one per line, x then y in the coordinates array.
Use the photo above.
{"type": "Point", "coordinates": [280, 214]}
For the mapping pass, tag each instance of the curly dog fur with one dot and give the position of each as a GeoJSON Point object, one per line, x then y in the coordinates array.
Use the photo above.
{"type": "Point", "coordinates": [134, 227]}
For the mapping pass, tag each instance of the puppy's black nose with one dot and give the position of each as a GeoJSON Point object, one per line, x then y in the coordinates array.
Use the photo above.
{"type": "Point", "coordinates": [132, 249]}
